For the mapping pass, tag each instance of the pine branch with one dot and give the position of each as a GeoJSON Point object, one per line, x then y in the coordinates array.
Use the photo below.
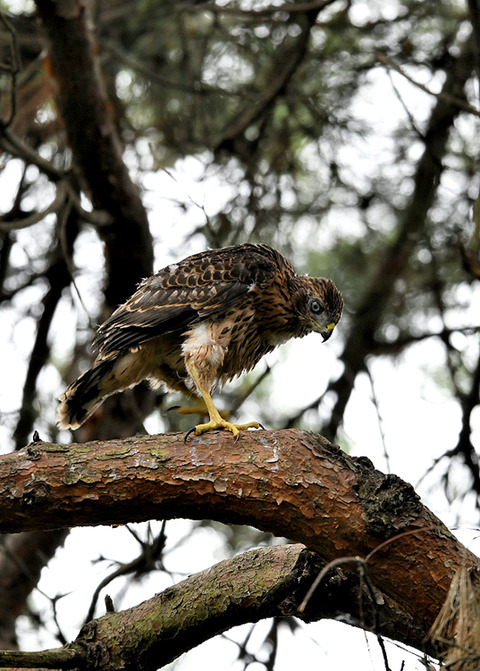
{"type": "Point", "coordinates": [292, 483]}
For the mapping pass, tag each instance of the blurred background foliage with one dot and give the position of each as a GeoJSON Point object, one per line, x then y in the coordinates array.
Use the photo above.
{"type": "Point", "coordinates": [343, 132]}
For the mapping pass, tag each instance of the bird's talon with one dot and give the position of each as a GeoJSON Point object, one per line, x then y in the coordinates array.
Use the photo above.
{"type": "Point", "coordinates": [189, 432]}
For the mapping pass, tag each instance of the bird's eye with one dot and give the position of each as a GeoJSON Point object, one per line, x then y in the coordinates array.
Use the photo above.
{"type": "Point", "coordinates": [315, 307]}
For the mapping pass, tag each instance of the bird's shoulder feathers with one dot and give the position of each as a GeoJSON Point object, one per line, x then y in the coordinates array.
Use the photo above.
{"type": "Point", "coordinates": [187, 292]}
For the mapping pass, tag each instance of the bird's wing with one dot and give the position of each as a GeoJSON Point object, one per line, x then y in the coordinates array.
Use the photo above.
{"type": "Point", "coordinates": [187, 292]}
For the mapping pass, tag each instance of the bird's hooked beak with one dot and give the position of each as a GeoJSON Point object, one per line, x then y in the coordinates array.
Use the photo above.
{"type": "Point", "coordinates": [327, 331]}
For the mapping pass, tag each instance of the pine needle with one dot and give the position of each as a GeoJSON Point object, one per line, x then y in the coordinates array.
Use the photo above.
{"type": "Point", "coordinates": [457, 626]}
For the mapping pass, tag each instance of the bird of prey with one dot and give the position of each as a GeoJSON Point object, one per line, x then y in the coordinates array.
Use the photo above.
{"type": "Point", "coordinates": [200, 322]}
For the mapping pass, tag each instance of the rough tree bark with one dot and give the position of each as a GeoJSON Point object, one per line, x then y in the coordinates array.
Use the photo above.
{"type": "Point", "coordinates": [260, 583]}
{"type": "Point", "coordinates": [292, 483]}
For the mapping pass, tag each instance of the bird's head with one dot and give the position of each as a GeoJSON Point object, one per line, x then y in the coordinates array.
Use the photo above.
{"type": "Point", "coordinates": [320, 305]}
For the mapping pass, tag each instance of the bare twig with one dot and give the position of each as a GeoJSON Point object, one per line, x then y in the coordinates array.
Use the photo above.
{"type": "Point", "coordinates": [35, 217]}
{"type": "Point", "coordinates": [17, 147]}
{"type": "Point", "coordinates": [341, 561]}
{"type": "Point", "coordinates": [150, 555]}
{"type": "Point", "coordinates": [400, 99]}
{"type": "Point", "coordinates": [379, 416]}
{"type": "Point", "coordinates": [441, 95]}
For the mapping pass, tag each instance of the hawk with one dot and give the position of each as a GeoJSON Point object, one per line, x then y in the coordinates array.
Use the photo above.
{"type": "Point", "coordinates": [200, 322]}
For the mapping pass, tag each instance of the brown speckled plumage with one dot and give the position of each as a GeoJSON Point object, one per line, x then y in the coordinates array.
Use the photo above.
{"type": "Point", "coordinates": [200, 322]}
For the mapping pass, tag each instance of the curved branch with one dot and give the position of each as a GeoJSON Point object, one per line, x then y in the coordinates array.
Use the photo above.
{"type": "Point", "coordinates": [35, 217]}
{"type": "Point", "coordinates": [261, 583]}
{"type": "Point", "coordinates": [291, 483]}
{"type": "Point", "coordinates": [17, 147]}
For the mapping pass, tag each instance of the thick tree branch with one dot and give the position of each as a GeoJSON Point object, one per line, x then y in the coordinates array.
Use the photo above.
{"type": "Point", "coordinates": [260, 583]}
{"type": "Point", "coordinates": [292, 483]}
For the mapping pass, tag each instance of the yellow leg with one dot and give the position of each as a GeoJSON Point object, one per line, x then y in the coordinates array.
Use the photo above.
{"type": "Point", "coordinates": [199, 408]}
{"type": "Point", "coordinates": [216, 421]}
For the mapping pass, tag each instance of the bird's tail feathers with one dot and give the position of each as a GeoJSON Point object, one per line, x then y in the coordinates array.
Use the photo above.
{"type": "Point", "coordinates": [82, 397]}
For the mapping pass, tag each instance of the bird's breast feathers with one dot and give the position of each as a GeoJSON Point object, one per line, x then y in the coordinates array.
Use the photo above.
{"type": "Point", "coordinates": [204, 340]}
